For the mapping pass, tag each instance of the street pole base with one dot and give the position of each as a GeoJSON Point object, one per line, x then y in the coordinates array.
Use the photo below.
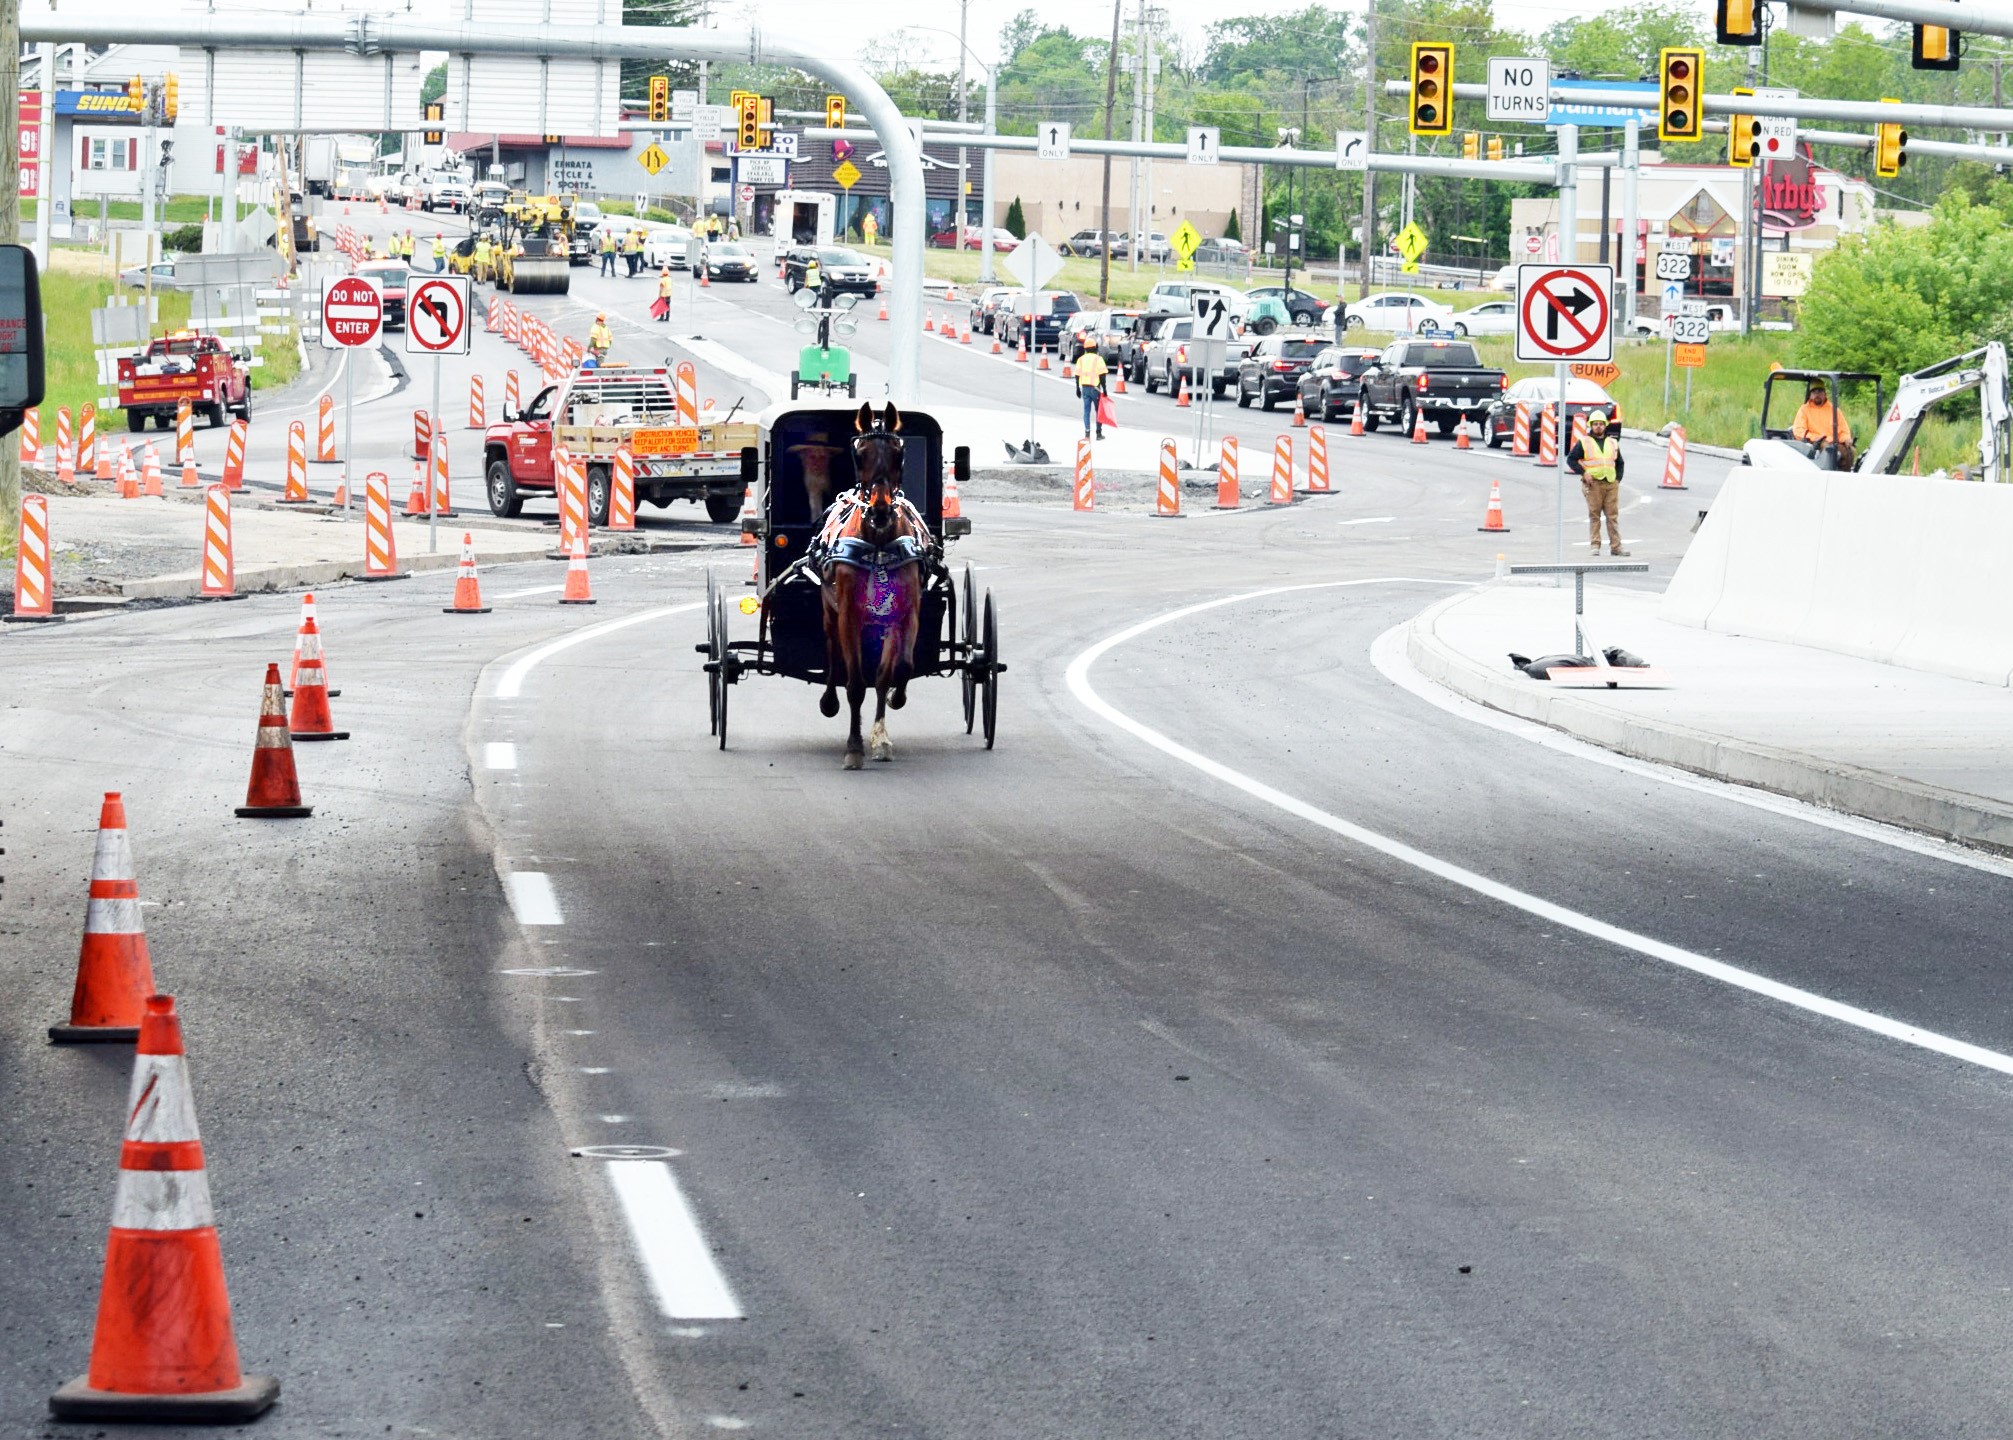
{"type": "Point", "coordinates": [78, 1401]}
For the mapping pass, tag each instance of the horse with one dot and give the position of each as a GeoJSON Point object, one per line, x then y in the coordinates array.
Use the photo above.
{"type": "Point", "coordinates": [873, 585]}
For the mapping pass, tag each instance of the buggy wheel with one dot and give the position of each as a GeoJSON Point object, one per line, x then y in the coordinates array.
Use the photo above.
{"type": "Point", "coordinates": [720, 706]}
{"type": "Point", "coordinates": [715, 646]}
{"type": "Point", "coordinates": [968, 623]}
{"type": "Point", "coordinates": [989, 699]}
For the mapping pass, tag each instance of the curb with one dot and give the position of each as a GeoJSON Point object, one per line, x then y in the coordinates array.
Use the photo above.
{"type": "Point", "coordinates": [1870, 794]}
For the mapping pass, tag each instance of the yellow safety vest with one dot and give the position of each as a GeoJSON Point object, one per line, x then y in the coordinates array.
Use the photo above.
{"type": "Point", "coordinates": [636, 241]}
{"type": "Point", "coordinates": [482, 252]}
{"type": "Point", "coordinates": [1597, 458]}
{"type": "Point", "coordinates": [608, 242]}
{"type": "Point", "coordinates": [600, 337]}
{"type": "Point", "coordinates": [664, 287]}
{"type": "Point", "coordinates": [439, 247]}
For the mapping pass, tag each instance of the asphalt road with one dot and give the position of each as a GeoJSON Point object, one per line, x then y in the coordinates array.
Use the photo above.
{"type": "Point", "coordinates": [1248, 1046]}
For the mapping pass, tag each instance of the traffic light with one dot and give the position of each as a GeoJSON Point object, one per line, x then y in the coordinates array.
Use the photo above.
{"type": "Point", "coordinates": [1432, 89]}
{"type": "Point", "coordinates": [434, 112]}
{"type": "Point", "coordinates": [835, 112]}
{"type": "Point", "coordinates": [1495, 147]}
{"type": "Point", "coordinates": [1743, 132]}
{"type": "Point", "coordinates": [1933, 48]}
{"type": "Point", "coordinates": [1739, 22]}
{"type": "Point", "coordinates": [750, 123]}
{"type": "Point", "coordinates": [1890, 147]}
{"type": "Point", "coordinates": [660, 98]}
{"type": "Point", "coordinates": [136, 94]}
{"type": "Point", "coordinates": [171, 97]}
{"type": "Point", "coordinates": [1471, 145]}
{"type": "Point", "coordinates": [1680, 73]}
{"type": "Point", "coordinates": [765, 116]}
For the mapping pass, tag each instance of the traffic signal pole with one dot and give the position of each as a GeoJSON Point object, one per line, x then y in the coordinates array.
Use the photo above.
{"type": "Point", "coordinates": [1569, 252]}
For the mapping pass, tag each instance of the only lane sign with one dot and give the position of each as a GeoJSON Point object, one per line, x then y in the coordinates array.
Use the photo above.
{"type": "Point", "coordinates": [352, 312]}
{"type": "Point", "coordinates": [1562, 312]}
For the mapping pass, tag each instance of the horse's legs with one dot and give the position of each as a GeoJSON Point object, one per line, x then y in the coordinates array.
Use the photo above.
{"type": "Point", "coordinates": [880, 746]}
{"type": "Point", "coordinates": [848, 626]}
{"type": "Point", "coordinates": [835, 606]}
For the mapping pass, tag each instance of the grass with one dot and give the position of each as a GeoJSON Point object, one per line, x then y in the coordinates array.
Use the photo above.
{"type": "Point", "coordinates": [179, 210]}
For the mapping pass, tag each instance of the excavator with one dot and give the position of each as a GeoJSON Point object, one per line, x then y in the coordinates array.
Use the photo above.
{"type": "Point", "coordinates": [1983, 370]}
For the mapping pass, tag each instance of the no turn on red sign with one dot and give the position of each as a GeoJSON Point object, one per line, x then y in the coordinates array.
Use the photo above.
{"type": "Point", "coordinates": [1562, 312]}
{"type": "Point", "coordinates": [352, 312]}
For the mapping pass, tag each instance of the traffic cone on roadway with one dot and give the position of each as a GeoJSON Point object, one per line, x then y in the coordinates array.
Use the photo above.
{"type": "Point", "coordinates": [1461, 435]}
{"type": "Point", "coordinates": [308, 617]}
{"type": "Point", "coordinates": [275, 789]}
{"type": "Point", "coordinates": [748, 517]}
{"type": "Point", "coordinates": [1299, 414]}
{"type": "Point", "coordinates": [1118, 382]}
{"type": "Point", "coordinates": [417, 502]}
{"type": "Point", "coordinates": [151, 470]}
{"type": "Point", "coordinates": [163, 1348]}
{"type": "Point", "coordinates": [1418, 427]}
{"type": "Point", "coordinates": [467, 588]}
{"type": "Point", "coordinates": [1181, 399]}
{"type": "Point", "coordinates": [1068, 371]}
{"type": "Point", "coordinates": [884, 307]}
{"type": "Point", "coordinates": [953, 505]}
{"type": "Point", "coordinates": [311, 718]}
{"type": "Point", "coordinates": [996, 343]}
{"type": "Point", "coordinates": [1043, 355]}
{"type": "Point", "coordinates": [929, 323]}
{"type": "Point", "coordinates": [114, 974]}
{"type": "Point", "coordinates": [190, 479]}
{"type": "Point", "coordinates": [1493, 521]}
{"type": "Point", "coordinates": [1356, 425]}
{"type": "Point", "coordinates": [576, 592]}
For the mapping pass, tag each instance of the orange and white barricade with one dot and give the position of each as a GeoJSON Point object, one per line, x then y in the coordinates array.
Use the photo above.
{"type": "Point", "coordinates": [325, 451]}
{"type": "Point", "coordinates": [1282, 471]}
{"type": "Point", "coordinates": [622, 491]}
{"type": "Point", "coordinates": [421, 434]}
{"type": "Point", "coordinates": [87, 440]}
{"type": "Point", "coordinates": [1674, 461]}
{"type": "Point", "coordinates": [443, 502]}
{"type": "Point", "coordinates": [1317, 461]}
{"type": "Point", "coordinates": [31, 435]}
{"type": "Point", "coordinates": [1578, 431]}
{"type": "Point", "coordinates": [1520, 431]}
{"type": "Point", "coordinates": [688, 393]}
{"type": "Point", "coordinates": [234, 454]}
{"type": "Point", "coordinates": [296, 492]}
{"type": "Point", "coordinates": [1085, 491]}
{"type": "Point", "coordinates": [66, 467]}
{"type": "Point", "coordinates": [570, 475]}
{"type": "Point", "coordinates": [34, 592]}
{"type": "Point", "coordinates": [510, 405]}
{"type": "Point", "coordinates": [220, 575]}
{"type": "Point", "coordinates": [62, 434]}
{"type": "Point", "coordinates": [185, 431]}
{"type": "Point", "coordinates": [380, 542]}
{"type": "Point", "coordinates": [475, 405]}
{"type": "Point", "coordinates": [1228, 493]}
{"type": "Point", "coordinates": [1548, 437]}
{"type": "Point", "coordinates": [1167, 493]}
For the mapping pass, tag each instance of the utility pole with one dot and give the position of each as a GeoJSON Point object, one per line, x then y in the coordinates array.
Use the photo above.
{"type": "Point", "coordinates": [10, 226]}
{"type": "Point", "coordinates": [964, 108]}
{"type": "Point", "coordinates": [1104, 212]}
{"type": "Point", "coordinates": [1370, 131]}
{"type": "Point", "coordinates": [1135, 66]}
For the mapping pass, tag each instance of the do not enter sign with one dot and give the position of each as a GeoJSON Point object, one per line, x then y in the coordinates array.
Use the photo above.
{"type": "Point", "coordinates": [352, 312]}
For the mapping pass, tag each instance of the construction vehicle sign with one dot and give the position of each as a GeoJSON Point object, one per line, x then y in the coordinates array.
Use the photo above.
{"type": "Point", "coordinates": [682, 440]}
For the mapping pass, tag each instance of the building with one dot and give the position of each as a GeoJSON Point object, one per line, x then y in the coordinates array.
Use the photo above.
{"type": "Point", "coordinates": [1060, 197]}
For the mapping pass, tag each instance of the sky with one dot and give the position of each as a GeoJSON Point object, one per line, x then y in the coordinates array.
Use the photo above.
{"type": "Point", "coordinates": [988, 17]}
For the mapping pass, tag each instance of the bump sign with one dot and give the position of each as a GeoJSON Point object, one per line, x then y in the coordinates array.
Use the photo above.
{"type": "Point", "coordinates": [352, 312]}
{"type": "Point", "coordinates": [1562, 312]}
{"type": "Point", "coordinates": [436, 317]}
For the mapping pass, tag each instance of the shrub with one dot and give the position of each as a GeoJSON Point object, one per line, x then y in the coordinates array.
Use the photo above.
{"type": "Point", "coordinates": [184, 240]}
{"type": "Point", "coordinates": [1016, 222]}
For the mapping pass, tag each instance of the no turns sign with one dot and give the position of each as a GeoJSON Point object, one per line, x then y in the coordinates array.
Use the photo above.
{"type": "Point", "coordinates": [1562, 312]}
{"type": "Point", "coordinates": [352, 312]}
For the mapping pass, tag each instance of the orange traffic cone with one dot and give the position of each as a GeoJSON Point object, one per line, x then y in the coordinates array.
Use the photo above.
{"type": "Point", "coordinates": [1461, 435]}
{"type": "Point", "coordinates": [704, 282]}
{"type": "Point", "coordinates": [929, 323]}
{"type": "Point", "coordinates": [1493, 521]}
{"type": "Point", "coordinates": [748, 517]}
{"type": "Point", "coordinates": [884, 307]}
{"type": "Point", "coordinates": [341, 498]}
{"type": "Point", "coordinates": [576, 592]}
{"type": "Point", "coordinates": [1068, 371]}
{"type": "Point", "coordinates": [467, 589]}
{"type": "Point", "coordinates": [1418, 427]}
{"type": "Point", "coordinates": [275, 789]}
{"type": "Point", "coordinates": [996, 343]}
{"type": "Point", "coordinates": [311, 718]}
{"type": "Point", "coordinates": [163, 1348]}
{"type": "Point", "coordinates": [953, 506]}
{"type": "Point", "coordinates": [417, 502]}
{"type": "Point", "coordinates": [190, 479]}
{"type": "Point", "coordinates": [151, 469]}
{"type": "Point", "coordinates": [1356, 425]}
{"type": "Point", "coordinates": [1118, 382]}
{"type": "Point", "coordinates": [1042, 355]}
{"type": "Point", "coordinates": [1181, 391]}
{"type": "Point", "coordinates": [114, 974]}
{"type": "Point", "coordinates": [294, 674]}
{"type": "Point", "coordinates": [1299, 414]}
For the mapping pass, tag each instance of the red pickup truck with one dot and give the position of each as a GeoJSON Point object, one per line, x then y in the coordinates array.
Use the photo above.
{"type": "Point", "coordinates": [183, 365]}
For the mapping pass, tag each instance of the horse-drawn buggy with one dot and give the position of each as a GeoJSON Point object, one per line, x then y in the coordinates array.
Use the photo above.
{"type": "Point", "coordinates": [853, 588]}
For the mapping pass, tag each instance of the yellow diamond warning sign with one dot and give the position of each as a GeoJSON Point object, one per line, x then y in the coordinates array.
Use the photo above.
{"type": "Point", "coordinates": [653, 158]}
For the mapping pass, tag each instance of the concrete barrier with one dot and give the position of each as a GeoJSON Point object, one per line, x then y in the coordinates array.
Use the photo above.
{"type": "Point", "coordinates": [1893, 568]}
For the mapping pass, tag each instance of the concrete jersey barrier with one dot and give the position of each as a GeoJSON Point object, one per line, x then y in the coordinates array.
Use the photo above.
{"type": "Point", "coordinates": [1900, 569]}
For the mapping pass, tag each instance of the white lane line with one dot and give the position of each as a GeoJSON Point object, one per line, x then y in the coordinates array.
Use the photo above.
{"type": "Point", "coordinates": [532, 898]}
{"type": "Point", "coordinates": [1078, 677]}
{"type": "Point", "coordinates": [683, 1276]}
{"type": "Point", "coordinates": [1372, 520]}
{"type": "Point", "coordinates": [512, 684]}
{"type": "Point", "coordinates": [499, 755]}
{"type": "Point", "coordinates": [534, 590]}
{"type": "Point", "coordinates": [1387, 653]}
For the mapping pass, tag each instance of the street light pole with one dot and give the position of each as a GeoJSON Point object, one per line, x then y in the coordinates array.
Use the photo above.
{"type": "Point", "coordinates": [964, 114]}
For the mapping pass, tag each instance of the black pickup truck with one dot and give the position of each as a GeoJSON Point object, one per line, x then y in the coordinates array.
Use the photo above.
{"type": "Point", "coordinates": [1439, 377]}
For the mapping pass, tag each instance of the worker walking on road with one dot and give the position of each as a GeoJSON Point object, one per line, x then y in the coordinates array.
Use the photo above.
{"type": "Point", "coordinates": [1597, 460]}
{"type": "Point", "coordinates": [1090, 373]}
{"type": "Point", "coordinates": [1820, 424]}
{"type": "Point", "coordinates": [483, 258]}
{"type": "Point", "coordinates": [633, 252]}
{"type": "Point", "coordinates": [600, 337]}
{"type": "Point", "coordinates": [439, 252]}
{"type": "Point", "coordinates": [607, 251]}
{"type": "Point", "coordinates": [663, 305]}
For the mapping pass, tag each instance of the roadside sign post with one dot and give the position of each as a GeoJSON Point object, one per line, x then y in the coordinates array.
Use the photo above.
{"type": "Point", "coordinates": [436, 324]}
{"type": "Point", "coordinates": [1690, 333]}
{"type": "Point", "coordinates": [1034, 263]}
{"type": "Point", "coordinates": [352, 317]}
{"type": "Point", "coordinates": [1564, 311]}
{"type": "Point", "coordinates": [1673, 270]}
{"type": "Point", "coordinates": [1214, 348]}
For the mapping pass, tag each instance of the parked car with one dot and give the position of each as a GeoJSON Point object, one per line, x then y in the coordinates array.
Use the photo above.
{"type": "Point", "coordinates": [730, 260]}
{"type": "Point", "coordinates": [1041, 324]}
{"type": "Point", "coordinates": [136, 275]}
{"type": "Point", "coordinates": [392, 277]}
{"type": "Point", "coordinates": [1222, 252]}
{"type": "Point", "coordinates": [1177, 351]}
{"type": "Point", "coordinates": [1156, 249]}
{"type": "Point", "coordinates": [1504, 279]}
{"type": "Point", "coordinates": [1304, 308]}
{"type": "Point", "coordinates": [1332, 382]}
{"type": "Point", "coordinates": [1088, 242]}
{"type": "Point", "coordinates": [1189, 294]}
{"type": "Point", "coordinates": [986, 309]}
{"type": "Point", "coordinates": [1398, 311]}
{"type": "Point", "coordinates": [1272, 371]}
{"type": "Point", "coordinates": [1491, 317]}
{"type": "Point", "coordinates": [1443, 379]}
{"type": "Point", "coordinates": [1539, 394]}
{"type": "Point", "coordinates": [975, 237]}
{"type": "Point", "coordinates": [842, 270]}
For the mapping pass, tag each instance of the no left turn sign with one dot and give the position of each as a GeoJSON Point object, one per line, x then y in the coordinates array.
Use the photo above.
{"type": "Point", "coordinates": [436, 316]}
{"type": "Point", "coordinates": [1562, 312]}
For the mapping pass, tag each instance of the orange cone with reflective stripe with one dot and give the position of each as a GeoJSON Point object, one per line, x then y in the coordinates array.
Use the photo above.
{"type": "Point", "coordinates": [954, 505]}
{"type": "Point", "coordinates": [467, 588]}
{"type": "Point", "coordinates": [1492, 522]}
{"type": "Point", "coordinates": [1181, 391]}
{"type": "Point", "coordinates": [1419, 427]}
{"type": "Point", "coordinates": [151, 472]}
{"type": "Point", "coordinates": [749, 519]}
{"type": "Point", "coordinates": [576, 592]}
{"type": "Point", "coordinates": [311, 718]}
{"type": "Point", "coordinates": [1461, 434]}
{"type": "Point", "coordinates": [416, 499]}
{"type": "Point", "coordinates": [275, 789]}
{"type": "Point", "coordinates": [164, 1348]}
{"type": "Point", "coordinates": [114, 974]}
{"type": "Point", "coordinates": [1356, 423]}
{"type": "Point", "coordinates": [308, 617]}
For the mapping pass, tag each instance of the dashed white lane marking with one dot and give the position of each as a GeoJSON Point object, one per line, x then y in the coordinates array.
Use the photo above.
{"type": "Point", "coordinates": [1078, 677]}
{"type": "Point", "coordinates": [499, 755]}
{"type": "Point", "coordinates": [1372, 520]}
{"type": "Point", "coordinates": [532, 899]}
{"type": "Point", "coordinates": [683, 1276]}
{"type": "Point", "coordinates": [534, 590]}
{"type": "Point", "coordinates": [512, 684]}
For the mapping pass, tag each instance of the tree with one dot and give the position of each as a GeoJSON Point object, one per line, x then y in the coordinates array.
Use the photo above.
{"type": "Point", "coordinates": [434, 86]}
{"type": "Point", "coordinates": [636, 73]}
{"type": "Point", "coordinates": [1231, 229]}
{"type": "Point", "coordinates": [1016, 222]}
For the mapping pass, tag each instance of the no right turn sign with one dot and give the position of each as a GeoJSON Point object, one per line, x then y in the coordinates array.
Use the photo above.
{"type": "Point", "coordinates": [1562, 312]}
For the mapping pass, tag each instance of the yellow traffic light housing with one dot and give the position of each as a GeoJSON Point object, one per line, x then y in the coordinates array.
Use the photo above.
{"type": "Point", "coordinates": [765, 116]}
{"type": "Point", "coordinates": [1890, 147]}
{"type": "Point", "coordinates": [1432, 111]}
{"type": "Point", "coordinates": [660, 99]}
{"type": "Point", "coordinates": [1680, 79]}
{"type": "Point", "coordinates": [1738, 21]}
{"type": "Point", "coordinates": [1743, 133]}
{"type": "Point", "coordinates": [136, 94]}
{"type": "Point", "coordinates": [171, 97]}
{"type": "Point", "coordinates": [749, 129]}
{"type": "Point", "coordinates": [1495, 147]}
{"type": "Point", "coordinates": [435, 112]}
{"type": "Point", "coordinates": [1933, 48]}
{"type": "Point", "coordinates": [835, 112]}
{"type": "Point", "coordinates": [1471, 145]}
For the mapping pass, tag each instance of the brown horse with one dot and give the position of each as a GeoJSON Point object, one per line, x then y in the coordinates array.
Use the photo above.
{"type": "Point", "coordinates": [873, 584]}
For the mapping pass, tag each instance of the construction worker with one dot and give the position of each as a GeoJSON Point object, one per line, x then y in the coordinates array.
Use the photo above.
{"type": "Point", "coordinates": [1820, 424]}
{"type": "Point", "coordinates": [607, 251]}
{"type": "Point", "coordinates": [1597, 460]}
{"type": "Point", "coordinates": [408, 249]}
{"type": "Point", "coordinates": [633, 252]}
{"type": "Point", "coordinates": [1090, 373]}
{"type": "Point", "coordinates": [483, 259]}
{"type": "Point", "coordinates": [664, 295]}
{"type": "Point", "coordinates": [600, 337]}
{"type": "Point", "coordinates": [814, 276]}
{"type": "Point", "coordinates": [439, 251]}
